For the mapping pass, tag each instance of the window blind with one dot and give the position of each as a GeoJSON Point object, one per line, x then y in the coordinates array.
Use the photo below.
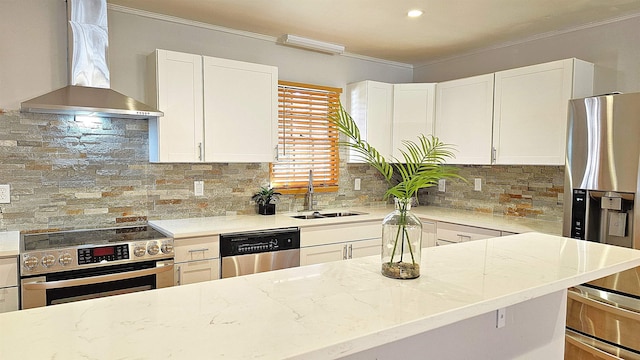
{"type": "Point", "coordinates": [307, 139]}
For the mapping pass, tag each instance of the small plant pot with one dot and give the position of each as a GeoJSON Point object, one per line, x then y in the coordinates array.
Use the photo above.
{"type": "Point", "coordinates": [266, 209]}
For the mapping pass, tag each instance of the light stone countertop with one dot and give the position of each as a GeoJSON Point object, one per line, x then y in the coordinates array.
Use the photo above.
{"type": "Point", "coordinates": [322, 311]}
{"type": "Point", "coordinates": [181, 228]}
{"type": "Point", "coordinates": [9, 243]}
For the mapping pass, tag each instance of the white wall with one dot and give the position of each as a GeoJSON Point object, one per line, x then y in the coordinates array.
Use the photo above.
{"type": "Point", "coordinates": [614, 48]}
{"type": "Point", "coordinates": [33, 47]}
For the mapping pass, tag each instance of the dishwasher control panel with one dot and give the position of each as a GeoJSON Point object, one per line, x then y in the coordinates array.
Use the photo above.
{"type": "Point", "coordinates": [259, 241]}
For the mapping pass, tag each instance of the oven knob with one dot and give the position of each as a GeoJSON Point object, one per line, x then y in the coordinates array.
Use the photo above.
{"type": "Point", "coordinates": [30, 262]}
{"type": "Point", "coordinates": [139, 250]}
{"type": "Point", "coordinates": [167, 248]}
{"type": "Point", "coordinates": [65, 259]}
{"type": "Point", "coordinates": [48, 260]}
{"type": "Point", "coordinates": [153, 249]}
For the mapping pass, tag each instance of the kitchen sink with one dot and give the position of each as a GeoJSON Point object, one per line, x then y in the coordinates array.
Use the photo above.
{"type": "Point", "coordinates": [319, 215]}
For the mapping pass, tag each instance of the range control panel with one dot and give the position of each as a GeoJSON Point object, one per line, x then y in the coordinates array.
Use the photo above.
{"type": "Point", "coordinates": [105, 253]}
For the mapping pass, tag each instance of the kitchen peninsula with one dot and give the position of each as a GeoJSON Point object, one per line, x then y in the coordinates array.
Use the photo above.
{"type": "Point", "coordinates": [342, 309]}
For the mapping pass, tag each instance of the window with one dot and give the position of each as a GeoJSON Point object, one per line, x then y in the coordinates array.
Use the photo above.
{"type": "Point", "coordinates": [307, 139]}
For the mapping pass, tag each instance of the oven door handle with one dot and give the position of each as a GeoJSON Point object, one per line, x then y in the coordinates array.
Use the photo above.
{"type": "Point", "coordinates": [575, 294]}
{"type": "Point", "coordinates": [45, 285]}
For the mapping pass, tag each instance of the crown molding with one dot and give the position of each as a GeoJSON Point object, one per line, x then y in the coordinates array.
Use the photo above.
{"type": "Point", "coordinates": [248, 34]}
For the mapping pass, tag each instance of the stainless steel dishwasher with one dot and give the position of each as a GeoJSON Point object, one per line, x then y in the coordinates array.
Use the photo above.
{"type": "Point", "coordinates": [246, 253]}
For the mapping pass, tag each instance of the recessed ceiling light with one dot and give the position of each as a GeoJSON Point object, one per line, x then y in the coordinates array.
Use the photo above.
{"type": "Point", "coordinates": [415, 13]}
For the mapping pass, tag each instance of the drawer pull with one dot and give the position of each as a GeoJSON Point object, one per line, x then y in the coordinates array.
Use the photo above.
{"type": "Point", "coordinates": [199, 250]}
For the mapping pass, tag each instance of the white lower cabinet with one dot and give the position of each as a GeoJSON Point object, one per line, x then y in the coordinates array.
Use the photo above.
{"type": "Point", "coordinates": [9, 284]}
{"type": "Point", "coordinates": [197, 259]}
{"type": "Point", "coordinates": [321, 244]}
{"type": "Point", "coordinates": [453, 233]}
{"type": "Point", "coordinates": [429, 233]}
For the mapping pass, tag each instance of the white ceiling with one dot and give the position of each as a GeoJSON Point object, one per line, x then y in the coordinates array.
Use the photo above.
{"type": "Point", "coordinates": [381, 28]}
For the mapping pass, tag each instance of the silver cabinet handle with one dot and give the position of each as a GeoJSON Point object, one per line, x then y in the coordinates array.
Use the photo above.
{"type": "Point", "coordinates": [178, 275]}
{"type": "Point", "coordinates": [44, 285]}
{"type": "Point", "coordinates": [350, 251]}
{"type": "Point", "coordinates": [200, 154]}
{"type": "Point", "coordinates": [494, 155]}
{"type": "Point", "coordinates": [199, 250]}
{"type": "Point", "coordinates": [344, 252]}
{"type": "Point", "coordinates": [462, 237]}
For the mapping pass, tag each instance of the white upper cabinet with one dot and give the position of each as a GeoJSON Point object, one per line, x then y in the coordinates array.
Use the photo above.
{"type": "Point", "coordinates": [174, 85]}
{"type": "Point", "coordinates": [413, 113]}
{"type": "Point", "coordinates": [530, 110]}
{"type": "Point", "coordinates": [464, 115]}
{"type": "Point", "coordinates": [370, 104]}
{"type": "Point", "coordinates": [240, 111]}
{"type": "Point", "coordinates": [216, 110]}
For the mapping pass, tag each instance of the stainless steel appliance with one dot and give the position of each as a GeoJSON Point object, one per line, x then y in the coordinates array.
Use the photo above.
{"type": "Point", "coordinates": [258, 251]}
{"type": "Point", "coordinates": [602, 181]}
{"type": "Point", "coordinates": [66, 266]}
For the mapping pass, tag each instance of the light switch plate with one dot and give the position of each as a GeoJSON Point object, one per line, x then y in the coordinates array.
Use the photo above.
{"type": "Point", "coordinates": [198, 187]}
{"type": "Point", "coordinates": [356, 184]}
{"type": "Point", "coordinates": [5, 194]}
{"type": "Point", "coordinates": [442, 183]}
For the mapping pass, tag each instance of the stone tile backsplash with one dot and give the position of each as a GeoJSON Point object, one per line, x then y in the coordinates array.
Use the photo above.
{"type": "Point", "coordinates": [526, 191]}
{"type": "Point", "coordinates": [68, 175]}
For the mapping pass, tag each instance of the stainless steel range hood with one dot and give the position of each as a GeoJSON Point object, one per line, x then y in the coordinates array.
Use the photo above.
{"type": "Point", "coordinates": [89, 93]}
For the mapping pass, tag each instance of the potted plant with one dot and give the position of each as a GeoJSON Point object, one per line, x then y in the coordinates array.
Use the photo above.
{"type": "Point", "coordinates": [421, 166]}
{"type": "Point", "coordinates": [266, 199]}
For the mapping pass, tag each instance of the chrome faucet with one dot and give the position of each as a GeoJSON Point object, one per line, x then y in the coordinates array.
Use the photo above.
{"type": "Point", "coordinates": [310, 192]}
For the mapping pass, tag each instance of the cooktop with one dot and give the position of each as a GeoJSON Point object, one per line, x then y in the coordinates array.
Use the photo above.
{"type": "Point", "coordinates": [63, 239]}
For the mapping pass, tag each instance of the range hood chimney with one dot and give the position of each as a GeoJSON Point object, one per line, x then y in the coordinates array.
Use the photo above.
{"type": "Point", "coordinates": [89, 93]}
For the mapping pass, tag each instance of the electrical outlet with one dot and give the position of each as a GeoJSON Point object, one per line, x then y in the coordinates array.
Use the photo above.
{"type": "Point", "coordinates": [442, 183]}
{"type": "Point", "coordinates": [501, 317]}
{"type": "Point", "coordinates": [477, 184]}
{"type": "Point", "coordinates": [198, 188]}
{"type": "Point", "coordinates": [5, 194]}
{"type": "Point", "coordinates": [356, 184]}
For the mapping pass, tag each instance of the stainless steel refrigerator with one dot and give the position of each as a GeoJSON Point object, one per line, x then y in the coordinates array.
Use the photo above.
{"type": "Point", "coordinates": [602, 183]}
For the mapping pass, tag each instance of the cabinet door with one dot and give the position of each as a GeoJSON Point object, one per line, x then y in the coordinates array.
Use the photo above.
{"type": "Point", "coordinates": [8, 299]}
{"type": "Point", "coordinates": [429, 235]}
{"type": "Point", "coordinates": [530, 116]}
{"type": "Point", "coordinates": [197, 271]}
{"type": "Point", "coordinates": [240, 111]}
{"type": "Point", "coordinates": [8, 272]}
{"type": "Point", "coordinates": [413, 113]}
{"type": "Point", "coordinates": [370, 104]}
{"type": "Point", "coordinates": [464, 116]}
{"type": "Point", "coordinates": [364, 248]}
{"type": "Point", "coordinates": [177, 91]}
{"type": "Point", "coordinates": [323, 253]}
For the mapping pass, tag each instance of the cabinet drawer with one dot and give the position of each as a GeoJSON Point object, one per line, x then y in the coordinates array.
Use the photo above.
{"type": "Point", "coordinates": [8, 272]}
{"type": "Point", "coordinates": [198, 248]}
{"type": "Point", "coordinates": [330, 234]}
{"type": "Point", "coordinates": [9, 299]}
{"type": "Point", "coordinates": [197, 271]}
{"type": "Point", "coordinates": [460, 233]}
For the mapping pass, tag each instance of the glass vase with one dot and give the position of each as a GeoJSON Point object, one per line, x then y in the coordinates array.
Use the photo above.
{"type": "Point", "coordinates": [401, 242]}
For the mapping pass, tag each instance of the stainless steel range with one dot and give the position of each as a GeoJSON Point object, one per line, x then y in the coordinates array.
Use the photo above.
{"type": "Point", "coordinates": [67, 266]}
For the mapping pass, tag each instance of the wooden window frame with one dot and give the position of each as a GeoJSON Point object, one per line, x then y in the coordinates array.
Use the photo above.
{"type": "Point", "coordinates": [305, 118]}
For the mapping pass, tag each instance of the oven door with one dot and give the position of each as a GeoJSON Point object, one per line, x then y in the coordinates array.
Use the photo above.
{"type": "Point", "coordinates": [63, 287]}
